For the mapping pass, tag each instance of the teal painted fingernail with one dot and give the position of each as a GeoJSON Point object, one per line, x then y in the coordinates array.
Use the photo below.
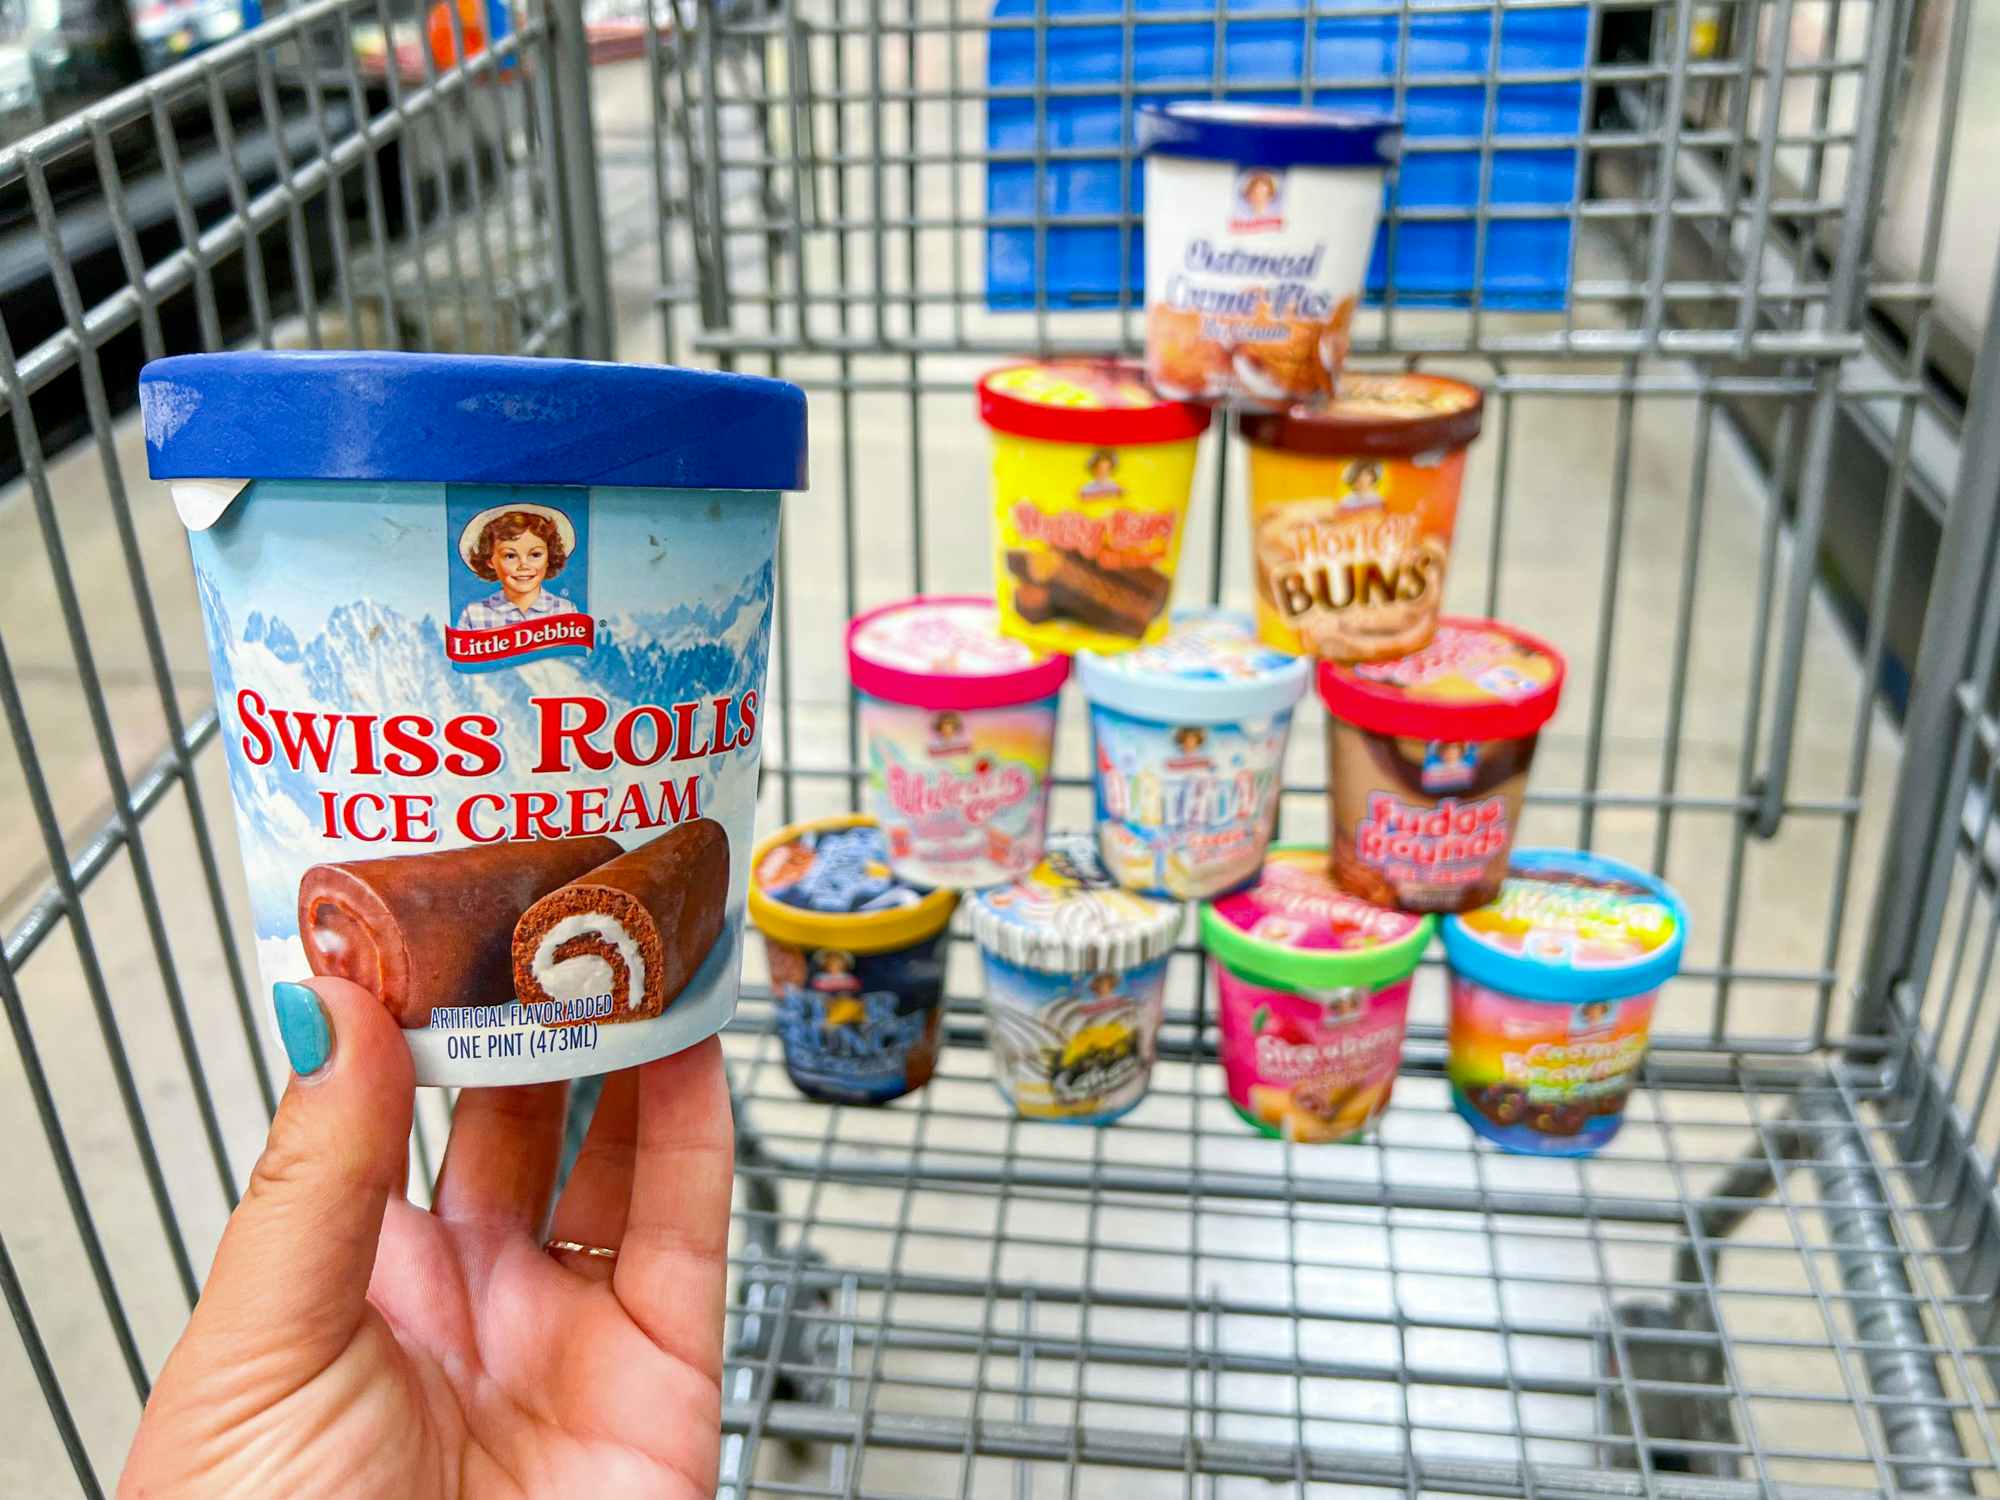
{"type": "Point", "coordinates": [302, 1027]}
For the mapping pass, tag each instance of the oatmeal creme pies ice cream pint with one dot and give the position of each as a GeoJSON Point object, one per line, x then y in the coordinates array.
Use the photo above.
{"type": "Point", "coordinates": [958, 724]}
{"type": "Point", "coordinates": [1076, 975]}
{"type": "Point", "coordinates": [1427, 762]}
{"type": "Point", "coordinates": [1187, 748]}
{"type": "Point", "coordinates": [1313, 996]}
{"type": "Point", "coordinates": [1260, 220]}
{"type": "Point", "coordinates": [1553, 987]}
{"type": "Point", "coordinates": [488, 638]}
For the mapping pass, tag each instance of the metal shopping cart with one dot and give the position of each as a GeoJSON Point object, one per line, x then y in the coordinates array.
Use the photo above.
{"type": "Point", "coordinates": [1697, 261]}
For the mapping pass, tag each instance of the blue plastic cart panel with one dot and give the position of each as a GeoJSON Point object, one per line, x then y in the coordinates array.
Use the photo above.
{"type": "Point", "coordinates": [1527, 259]}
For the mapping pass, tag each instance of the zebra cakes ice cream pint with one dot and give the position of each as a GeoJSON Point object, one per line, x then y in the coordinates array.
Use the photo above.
{"type": "Point", "coordinates": [1187, 749]}
{"type": "Point", "coordinates": [1260, 220]}
{"type": "Point", "coordinates": [958, 724]}
{"type": "Point", "coordinates": [1553, 986]}
{"type": "Point", "coordinates": [1076, 974]}
{"type": "Point", "coordinates": [857, 961]}
{"type": "Point", "coordinates": [488, 638]}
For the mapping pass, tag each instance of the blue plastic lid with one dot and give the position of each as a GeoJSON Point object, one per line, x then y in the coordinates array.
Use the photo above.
{"type": "Point", "coordinates": [1570, 926]}
{"type": "Point", "coordinates": [1210, 668]}
{"type": "Point", "coordinates": [1270, 135]}
{"type": "Point", "coordinates": [471, 419]}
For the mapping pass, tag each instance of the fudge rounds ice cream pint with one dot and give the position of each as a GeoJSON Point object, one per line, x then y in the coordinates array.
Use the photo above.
{"type": "Point", "coordinates": [1260, 220]}
{"type": "Point", "coordinates": [1090, 490]}
{"type": "Point", "coordinates": [857, 961]}
{"type": "Point", "coordinates": [1076, 976]}
{"type": "Point", "coordinates": [1553, 985]}
{"type": "Point", "coordinates": [1313, 994]}
{"type": "Point", "coordinates": [1351, 514]}
{"type": "Point", "coordinates": [488, 638]}
{"type": "Point", "coordinates": [1428, 760]}
{"type": "Point", "coordinates": [1187, 741]}
{"type": "Point", "coordinates": [958, 724]}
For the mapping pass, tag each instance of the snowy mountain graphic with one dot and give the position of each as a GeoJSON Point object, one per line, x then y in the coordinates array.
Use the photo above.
{"type": "Point", "coordinates": [368, 657]}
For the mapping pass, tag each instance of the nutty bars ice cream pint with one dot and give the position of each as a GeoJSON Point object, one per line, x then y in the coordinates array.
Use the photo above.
{"type": "Point", "coordinates": [1091, 473]}
{"type": "Point", "coordinates": [1427, 763]}
{"type": "Point", "coordinates": [1260, 221]}
{"type": "Point", "coordinates": [488, 638]}
{"type": "Point", "coordinates": [1352, 510]}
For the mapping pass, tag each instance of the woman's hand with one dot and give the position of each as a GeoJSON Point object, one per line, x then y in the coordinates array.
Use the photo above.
{"type": "Point", "coordinates": [350, 1344]}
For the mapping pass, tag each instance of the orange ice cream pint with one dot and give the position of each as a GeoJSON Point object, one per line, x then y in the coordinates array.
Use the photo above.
{"type": "Point", "coordinates": [1352, 511]}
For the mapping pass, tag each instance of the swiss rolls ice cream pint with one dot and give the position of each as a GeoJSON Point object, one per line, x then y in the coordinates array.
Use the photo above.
{"type": "Point", "coordinates": [1091, 472]}
{"type": "Point", "coordinates": [856, 958]}
{"type": "Point", "coordinates": [1187, 752]}
{"type": "Point", "coordinates": [488, 638]}
{"type": "Point", "coordinates": [1427, 762]}
{"type": "Point", "coordinates": [958, 724]}
{"type": "Point", "coordinates": [1553, 985]}
{"type": "Point", "coordinates": [1076, 975]}
{"type": "Point", "coordinates": [1352, 510]}
{"type": "Point", "coordinates": [1260, 220]}
{"type": "Point", "coordinates": [1313, 996]}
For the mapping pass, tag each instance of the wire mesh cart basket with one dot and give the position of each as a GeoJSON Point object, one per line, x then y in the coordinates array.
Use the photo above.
{"type": "Point", "coordinates": [1742, 462]}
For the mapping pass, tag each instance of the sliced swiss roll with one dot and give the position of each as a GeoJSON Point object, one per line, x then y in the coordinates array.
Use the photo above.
{"type": "Point", "coordinates": [635, 928]}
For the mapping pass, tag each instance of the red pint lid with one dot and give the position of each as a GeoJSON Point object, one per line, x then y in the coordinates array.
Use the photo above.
{"type": "Point", "coordinates": [1084, 401]}
{"type": "Point", "coordinates": [1476, 680]}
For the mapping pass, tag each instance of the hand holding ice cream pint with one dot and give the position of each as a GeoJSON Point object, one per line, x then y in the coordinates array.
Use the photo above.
{"type": "Point", "coordinates": [488, 638]}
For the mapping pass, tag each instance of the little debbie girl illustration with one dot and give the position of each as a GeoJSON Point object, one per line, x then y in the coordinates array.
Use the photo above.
{"type": "Point", "coordinates": [521, 548]}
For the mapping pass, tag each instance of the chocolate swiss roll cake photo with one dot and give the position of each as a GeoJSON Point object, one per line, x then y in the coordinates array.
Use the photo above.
{"type": "Point", "coordinates": [423, 930]}
{"type": "Point", "coordinates": [636, 927]}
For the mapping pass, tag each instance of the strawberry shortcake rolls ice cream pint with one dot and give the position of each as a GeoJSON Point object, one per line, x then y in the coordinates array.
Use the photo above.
{"type": "Point", "coordinates": [958, 724]}
{"type": "Point", "coordinates": [1260, 220]}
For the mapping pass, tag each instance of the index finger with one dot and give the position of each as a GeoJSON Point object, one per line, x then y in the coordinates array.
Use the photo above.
{"type": "Point", "coordinates": [673, 1259]}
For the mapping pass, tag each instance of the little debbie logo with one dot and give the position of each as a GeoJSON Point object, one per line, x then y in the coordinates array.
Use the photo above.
{"type": "Point", "coordinates": [519, 574]}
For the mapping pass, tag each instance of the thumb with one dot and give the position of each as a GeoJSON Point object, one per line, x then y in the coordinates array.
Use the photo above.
{"type": "Point", "coordinates": [290, 1279]}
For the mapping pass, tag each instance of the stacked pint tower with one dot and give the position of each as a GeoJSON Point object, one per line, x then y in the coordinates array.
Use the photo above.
{"type": "Point", "coordinates": [1258, 237]}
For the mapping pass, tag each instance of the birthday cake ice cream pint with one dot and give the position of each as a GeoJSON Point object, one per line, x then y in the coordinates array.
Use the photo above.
{"type": "Point", "coordinates": [1313, 996]}
{"type": "Point", "coordinates": [1428, 760]}
{"type": "Point", "coordinates": [958, 723]}
{"type": "Point", "coordinates": [1188, 743]}
{"type": "Point", "coordinates": [1091, 472]}
{"type": "Point", "coordinates": [856, 957]}
{"type": "Point", "coordinates": [1260, 221]}
{"type": "Point", "coordinates": [1076, 974]}
{"type": "Point", "coordinates": [1553, 986]}
{"type": "Point", "coordinates": [1352, 510]}
{"type": "Point", "coordinates": [488, 638]}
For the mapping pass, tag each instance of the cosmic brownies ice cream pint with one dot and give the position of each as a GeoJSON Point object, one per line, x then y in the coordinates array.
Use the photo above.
{"type": "Point", "coordinates": [488, 638]}
{"type": "Point", "coordinates": [1351, 514]}
{"type": "Point", "coordinates": [1313, 994]}
{"type": "Point", "coordinates": [1187, 741]}
{"type": "Point", "coordinates": [1091, 473]}
{"type": "Point", "coordinates": [958, 724]}
{"type": "Point", "coordinates": [1427, 763]}
{"type": "Point", "coordinates": [856, 957]}
{"type": "Point", "coordinates": [1553, 985]}
{"type": "Point", "coordinates": [1260, 220]}
{"type": "Point", "coordinates": [1076, 974]}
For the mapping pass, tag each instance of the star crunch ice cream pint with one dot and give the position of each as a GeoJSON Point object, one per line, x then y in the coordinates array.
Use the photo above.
{"type": "Point", "coordinates": [1091, 473]}
{"type": "Point", "coordinates": [1313, 990]}
{"type": "Point", "coordinates": [958, 724]}
{"type": "Point", "coordinates": [488, 638]}
{"type": "Point", "coordinates": [1427, 762]}
{"type": "Point", "coordinates": [1553, 985]}
{"type": "Point", "coordinates": [1260, 221]}
{"type": "Point", "coordinates": [856, 958]}
{"type": "Point", "coordinates": [1187, 748]}
{"type": "Point", "coordinates": [1352, 510]}
{"type": "Point", "coordinates": [1076, 974]}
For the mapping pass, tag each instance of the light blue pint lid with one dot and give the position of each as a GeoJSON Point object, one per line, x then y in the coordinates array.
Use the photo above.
{"type": "Point", "coordinates": [1209, 668]}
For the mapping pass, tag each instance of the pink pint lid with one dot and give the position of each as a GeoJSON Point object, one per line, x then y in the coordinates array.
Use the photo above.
{"type": "Point", "coordinates": [946, 651]}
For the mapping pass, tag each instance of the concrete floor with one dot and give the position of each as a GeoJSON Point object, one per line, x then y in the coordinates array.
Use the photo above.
{"type": "Point", "coordinates": [1537, 541]}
